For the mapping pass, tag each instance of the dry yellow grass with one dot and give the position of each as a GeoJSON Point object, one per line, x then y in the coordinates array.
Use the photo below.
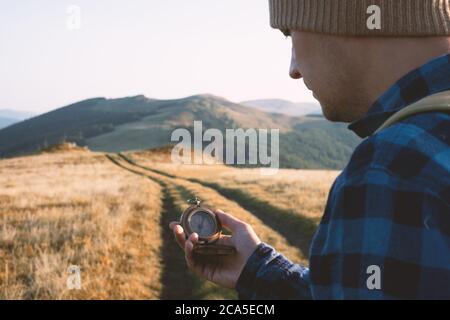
{"type": "Point", "coordinates": [109, 216]}
{"type": "Point", "coordinates": [180, 190]}
{"type": "Point", "coordinates": [77, 208]}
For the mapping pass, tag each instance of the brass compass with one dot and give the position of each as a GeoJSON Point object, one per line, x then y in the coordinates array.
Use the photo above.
{"type": "Point", "coordinates": [203, 221]}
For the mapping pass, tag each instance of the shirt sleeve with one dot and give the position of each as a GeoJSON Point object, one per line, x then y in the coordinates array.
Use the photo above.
{"type": "Point", "coordinates": [270, 275]}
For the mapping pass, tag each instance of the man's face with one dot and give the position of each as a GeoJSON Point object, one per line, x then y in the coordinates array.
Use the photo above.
{"type": "Point", "coordinates": [324, 64]}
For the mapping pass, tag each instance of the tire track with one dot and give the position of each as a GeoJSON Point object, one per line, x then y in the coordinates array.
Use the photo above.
{"type": "Point", "coordinates": [297, 230]}
{"type": "Point", "coordinates": [212, 197]}
{"type": "Point", "coordinates": [178, 283]}
{"type": "Point", "coordinates": [176, 191]}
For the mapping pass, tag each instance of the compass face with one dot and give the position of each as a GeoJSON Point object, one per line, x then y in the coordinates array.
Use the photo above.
{"type": "Point", "coordinates": [203, 224]}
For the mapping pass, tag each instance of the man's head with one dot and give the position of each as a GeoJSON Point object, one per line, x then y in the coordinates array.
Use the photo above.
{"type": "Point", "coordinates": [348, 74]}
{"type": "Point", "coordinates": [346, 64]}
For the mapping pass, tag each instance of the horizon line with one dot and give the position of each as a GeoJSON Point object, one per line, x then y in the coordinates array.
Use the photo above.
{"type": "Point", "coordinates": [42, 111]}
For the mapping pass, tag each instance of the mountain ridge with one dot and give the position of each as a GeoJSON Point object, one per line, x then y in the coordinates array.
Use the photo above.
{"type": "Point", "coordinates": [138, 122]}
{"type": "Point", "coordinates": [5, 122]}
{"type": "Point", "coordinates": [285, 106]}
{"type": "Point", "coordinates": [9, 117]}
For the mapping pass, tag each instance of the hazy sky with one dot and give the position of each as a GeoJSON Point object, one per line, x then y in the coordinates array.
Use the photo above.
{"type": "Point", "coordinates": [159, 48]}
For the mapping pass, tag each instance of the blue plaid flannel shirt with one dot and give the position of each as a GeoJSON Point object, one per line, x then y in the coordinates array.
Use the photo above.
{"type": "Point", "coordinates": [390, 207]}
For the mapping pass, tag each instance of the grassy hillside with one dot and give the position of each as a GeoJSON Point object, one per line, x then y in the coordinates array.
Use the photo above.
{"type": "Point", "coordinates": [109, 215]}
{"type": "Point", "coordinates": [136, 123]}
{"type": "Point", "coordinates": [65, 208]}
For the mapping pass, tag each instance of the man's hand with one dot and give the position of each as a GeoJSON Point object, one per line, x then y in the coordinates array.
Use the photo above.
{"type": "Point", "coordinates": [224, 271]}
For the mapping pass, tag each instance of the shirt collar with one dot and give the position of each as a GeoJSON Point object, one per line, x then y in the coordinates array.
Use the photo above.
{"type": "Point", "coordinates": [433, 77]}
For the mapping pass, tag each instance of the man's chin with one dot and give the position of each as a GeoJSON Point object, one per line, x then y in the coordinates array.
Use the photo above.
{"type": "Point", "coordinates": [329, 114]}
{"type": "Point", "coordinates": [332, 114]}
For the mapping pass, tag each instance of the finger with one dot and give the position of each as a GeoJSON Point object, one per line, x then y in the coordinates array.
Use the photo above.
{"type": "Point", "coordinates": [188, 254]}
{"type": "Point", "coordinates": [179, 235]}
{"type": "Point", "coordinates": [173, 224]}
{"type": "Point", "coordinates": [228, 221]}
{"type": "Point", "coordinates": [189, 251]}
{"type": "Point", "coordinates": [194, 238]}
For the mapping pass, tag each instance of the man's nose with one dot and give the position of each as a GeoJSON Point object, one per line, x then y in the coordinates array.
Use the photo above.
{"type": "Point", "coordinates": [294, 73]}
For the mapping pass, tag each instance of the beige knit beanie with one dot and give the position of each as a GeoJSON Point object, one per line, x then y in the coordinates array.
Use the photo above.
{"type": "Point", "coordinates": [363, 17]}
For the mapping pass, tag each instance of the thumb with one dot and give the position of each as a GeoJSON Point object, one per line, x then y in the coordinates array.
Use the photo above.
{"type": "Point", "coordinates": [228, 221]}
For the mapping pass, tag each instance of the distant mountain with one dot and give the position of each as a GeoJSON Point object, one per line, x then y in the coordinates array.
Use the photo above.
{"type": "Point", "coordinates": [135, 123]}
{"type": "Point", "coordinates": [4, 122]}
{"type": "Point", "coordinates": [18, 115]}
{"type": "Point", "coordinates": [9, 117]}
{"type": "Point", "coordinates": [285, 107]}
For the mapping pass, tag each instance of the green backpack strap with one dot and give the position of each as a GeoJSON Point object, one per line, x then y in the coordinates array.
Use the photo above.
{"type": "Point", "coordinates": [439, 102]}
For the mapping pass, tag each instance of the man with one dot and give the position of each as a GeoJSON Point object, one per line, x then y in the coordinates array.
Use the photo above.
{"type": "Point", "coordinates": [388, 213]}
